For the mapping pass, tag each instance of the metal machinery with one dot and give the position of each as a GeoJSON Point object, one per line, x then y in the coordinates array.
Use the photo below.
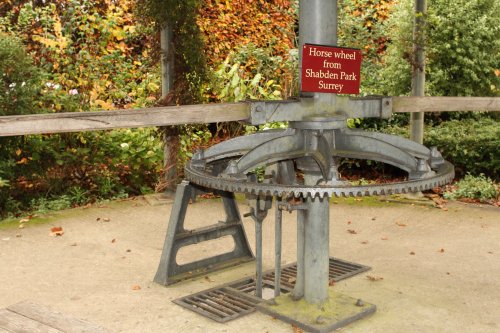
{"type": "Point", "coordinates": [298, 167]}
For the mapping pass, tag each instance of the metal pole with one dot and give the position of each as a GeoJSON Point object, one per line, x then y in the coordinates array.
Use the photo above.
{"type": "Point", "coordinates": [258, 257]}
{"type": "Point", "coordinates": [318, 25]}
{"type": "Point", "coordinates": [277, 248]}
{"type": "Point", "coordinates": [316, 246]}
{"type": "Point", "coordinates": [298, 290]}
{"type": "Point", "coordinates": [418, 75]}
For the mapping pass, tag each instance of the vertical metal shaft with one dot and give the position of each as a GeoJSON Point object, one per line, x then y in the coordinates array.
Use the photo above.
{"type": "Point", "coordinates": [298, 290]}
{"type": "Point", "coordinates": [418, 75]}
{"type": "Point", "coordinates": [316, 250]}
{"type": "Point", "coordinates": [318, 25]}
{"type": "Point", "coordinates": [313, 241]}
{"type": "Point", "coordinates": [258, 259]}
{"type": "Point", "coordinates": [277, 248]}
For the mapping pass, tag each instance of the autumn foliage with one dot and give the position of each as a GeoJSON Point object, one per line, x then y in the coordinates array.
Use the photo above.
{"type": "Point", "coordinates": [228, 25]}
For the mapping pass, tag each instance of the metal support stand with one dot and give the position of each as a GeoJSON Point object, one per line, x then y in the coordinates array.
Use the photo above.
{"type": "Point", "coordinates": [169, 271]}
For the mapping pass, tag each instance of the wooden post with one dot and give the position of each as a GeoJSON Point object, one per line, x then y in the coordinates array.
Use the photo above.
{"type": "Point", "coordinates": [170, 133]}
{"type": "Point", "coordinates": [418, 75]}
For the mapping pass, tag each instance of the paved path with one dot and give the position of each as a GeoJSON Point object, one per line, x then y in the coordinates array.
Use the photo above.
{"type": "Point", "coordinates": [434, 270]}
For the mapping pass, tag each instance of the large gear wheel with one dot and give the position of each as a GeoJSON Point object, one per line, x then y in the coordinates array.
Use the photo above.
{"type": "Point", "coordinates": [314, 145]}
{"type": "Point", "coordinates": [444, 175]}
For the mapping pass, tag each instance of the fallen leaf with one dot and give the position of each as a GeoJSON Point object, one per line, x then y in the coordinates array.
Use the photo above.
{"type": "Point", "coordinates": [136, 287]}
{"type": "Point", "coordinates": [106, 219]}
{"type": "Point", "coordinates": [352, 231]}
{"type": "Point", "coordinates": [400, 224]}
{"type": "Point", "coordinates": [56, 231]}
{"type": "Point", "coordinates": [98, 219]}
{"type": "Point", "coordinates": [364, 242]}
{"type": "Point", "coordinates": [113, 240]}
{"type": "Point", "coordinates": [21, 226]}
{"type": "Point", "coordinates": [296, 329]}
{"type": "Point", "coordinates": [72, 244]}
{"type": "Point", "coordinates": [331, 282]}
{"type": "Point", "coordinates": [384, 238]}
{"type": "Point", "coordinates": [87, 206]}
{"type": "Point", "coordinates": [209, 196]}
{"type": "Point", "coordinates": [208, 279]}
{"type": "Point", "coordinates": [412, 253]}
{"type": "Point", "coordinates": [24, 220]}
{"type": "Point", "coordinates": [19, 235]}
{"type": "Point", "coordinates": [490, 252]}
{"type": "Point", "coordinates": [374, 278]}
{"type": "Point", "coordinates": [349, 222]}
{"type": "Point", "coordinates": [374, 218]}
{"type": "Point", "coordinates": [442, 250]}
{"type": "Point", "coordinates": [358, 199]}
{"type": "Point", "coordinates": [129, 250]}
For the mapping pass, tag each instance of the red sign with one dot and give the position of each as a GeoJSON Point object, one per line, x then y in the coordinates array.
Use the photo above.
{"type": "Point", "coordinates": [329, 69]}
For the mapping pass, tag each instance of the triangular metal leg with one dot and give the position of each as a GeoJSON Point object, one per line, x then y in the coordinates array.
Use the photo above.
{"type": "Point", "coordinates": [169, 271]}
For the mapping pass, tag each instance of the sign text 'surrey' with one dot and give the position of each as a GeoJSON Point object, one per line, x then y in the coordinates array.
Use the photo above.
{"type": "Point", "coordinates": [329, 69]}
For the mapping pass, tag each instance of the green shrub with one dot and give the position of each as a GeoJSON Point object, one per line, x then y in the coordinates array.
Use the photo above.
{"type": "Point", "coordinates": [462, 45]}
{"type": "Point", "coordinates": [20, 80]}
{"type": "Point", "coordinates": [3, 182]}
{"type": "Point", "coordinates": [42, 170]}
{"type": "Point", "coordinates": [474, 187]}
{"type": "Point", "coordinates": [471, 145]}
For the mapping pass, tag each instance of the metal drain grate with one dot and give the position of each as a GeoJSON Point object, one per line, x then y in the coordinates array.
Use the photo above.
{"type": "Point", "coordinates": [339, 270]}
{"type": "Point", "coordinates": [220, 304]}
{"type": "Point", "coordinates": [236, 299]}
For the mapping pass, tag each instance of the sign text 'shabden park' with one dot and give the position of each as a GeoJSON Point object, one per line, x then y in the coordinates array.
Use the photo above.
{"type": "Point", "coordinates": [328, 69]}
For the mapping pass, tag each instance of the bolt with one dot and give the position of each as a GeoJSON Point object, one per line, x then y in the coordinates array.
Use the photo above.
{"type": "Point", "coordinates": [360, 302]}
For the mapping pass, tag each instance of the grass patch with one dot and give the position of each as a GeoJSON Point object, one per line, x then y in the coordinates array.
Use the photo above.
{"type": "Point", "coordinates": [9, 224]}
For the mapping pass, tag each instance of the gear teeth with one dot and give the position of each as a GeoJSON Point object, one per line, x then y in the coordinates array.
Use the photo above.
{"type": "Point", "coordinates": [203, 177]}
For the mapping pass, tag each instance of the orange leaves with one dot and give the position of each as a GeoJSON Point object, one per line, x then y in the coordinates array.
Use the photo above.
{"type": "Point", "coordinates": [56, 231]}
{"type": "Point", "coordinates": [23, 160]}
{"type": "Point", "coordinates": [87, 48]}
{"type": "Point", "coordinates": [229, 24]}
{"type": "Point", "coordinates": [374, 278]}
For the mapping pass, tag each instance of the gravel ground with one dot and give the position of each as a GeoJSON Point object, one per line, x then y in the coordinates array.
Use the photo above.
{"type": "Point", "coordinates": [433, 270]}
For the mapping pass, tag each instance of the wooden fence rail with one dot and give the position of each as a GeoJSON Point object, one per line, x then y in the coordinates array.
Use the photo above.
{"type": "Point", "coordinates": [203, 113]}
